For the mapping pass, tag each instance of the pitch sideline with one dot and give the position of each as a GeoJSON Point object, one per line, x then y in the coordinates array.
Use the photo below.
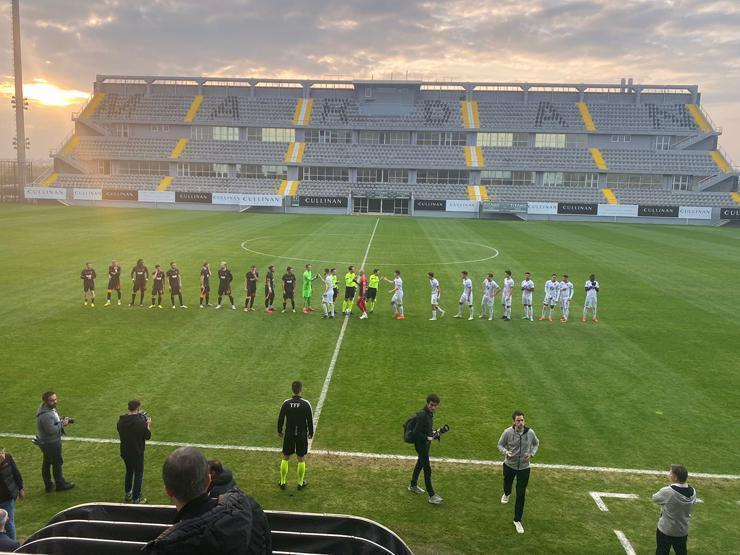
{"type": "Point", "coordinates": [387, 456]}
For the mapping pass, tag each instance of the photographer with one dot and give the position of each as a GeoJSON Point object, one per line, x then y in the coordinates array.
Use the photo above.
{"type": "Point", "coordinates": [134, 428]}
{"type": "Point", "coordinates": [50, 428]}
{"type": "Point", "coordinates": [423, 435]}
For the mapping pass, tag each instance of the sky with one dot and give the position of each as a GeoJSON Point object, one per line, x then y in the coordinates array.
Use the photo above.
{"type": "Point", "coordinates": [66, 43]}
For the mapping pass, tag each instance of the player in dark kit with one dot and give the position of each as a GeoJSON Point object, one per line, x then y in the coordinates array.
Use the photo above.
{"type": "Point", "coordinates": [205, 285]}
{"type": "Point", "coordinates": [174, 280]}
{"type": "Point", "coordinates": [224, 285]}
{"type": "Point", "coordinates": [250, 286]}
{"type": "Point", "coordinates": [289, 288]}
{"type": "Point", "coordinates": [269, 288]}
{"type": "Point", "coordinates": [139, 275]}
{"type": "Point", "coordinates": [88, 275]}
{"type": "Point", "coordinates": [157, 286]}
{"type": "Point", "coordinates": [297, 415]}
{"type": "Point", "coordinates": [114, 281]}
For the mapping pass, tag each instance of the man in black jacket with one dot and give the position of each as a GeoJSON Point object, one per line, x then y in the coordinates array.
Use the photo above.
{"type": "Point", "coordinates": [297, 416]}
{"type": "Point", "coordinates": [134, 429]}
{"type": "Point", "coordinates": [222, 479]}
{"type": "Point", "coordinates": [233, 524]}
{"type": "Point", "coordinates": [11, 488]}
{"type": "Point", "coordinates": [423, 436]}
{"type": "Point", "coordinates": [6, 542]}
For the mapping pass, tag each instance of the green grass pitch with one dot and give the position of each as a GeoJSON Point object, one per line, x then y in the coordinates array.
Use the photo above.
{"type": "Point", "coordinates": [654, 383]}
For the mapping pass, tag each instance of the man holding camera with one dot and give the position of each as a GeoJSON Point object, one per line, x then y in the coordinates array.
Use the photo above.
{"type": "Point", "coordinates": [134, 428]}
{"type": "Point", "coordinates": [518, 444]}
{"type": "Point", "coordinates": [423, 435]}
{"type": "Point", "coordinates": [49, 431]}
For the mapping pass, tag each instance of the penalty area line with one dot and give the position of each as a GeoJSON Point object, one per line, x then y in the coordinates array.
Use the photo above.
{"type": "Point", "coordinates": [388, 456]}
{"type": "Point", "coordinates": [337, 347]}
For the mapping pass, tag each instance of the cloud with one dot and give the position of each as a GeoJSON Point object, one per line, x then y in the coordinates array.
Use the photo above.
{"type": "Point", "coordinates": [656, 41]}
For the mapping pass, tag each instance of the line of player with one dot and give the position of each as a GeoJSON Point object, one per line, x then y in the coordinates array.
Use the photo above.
{"type": "Point", "coordinates": [360, 289]}
{"type": "Point", "coordinates": [558, 293]}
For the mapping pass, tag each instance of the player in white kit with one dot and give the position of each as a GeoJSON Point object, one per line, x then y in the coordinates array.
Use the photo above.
{"type": "Point", "coordinates": [397, 298]}
{"type": "Point", "coordinates": [436, 293]}
{"type": "Point", "coordinates": [508, 292]}
{"type": "Point", "coordinates": [566, 294]}
{"type": "Point", "coordinates": [466, 297]}
{"type": "Point", "coordinates": [592, 293]}
{"type": "Point", "coordinates": [552, 294]}
{"type": "Point", "coordinates": [490, 288]}
{"type": "Point", "coordinates": [527, 289]}
{"type": "Point", "coordinates": [327, 299]}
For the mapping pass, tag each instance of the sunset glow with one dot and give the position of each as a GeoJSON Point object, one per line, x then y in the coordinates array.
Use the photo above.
{"type": "Point", "coordinates": [47, 94]}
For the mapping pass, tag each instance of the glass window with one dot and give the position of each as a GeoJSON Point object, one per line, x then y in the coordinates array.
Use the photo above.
{"type": "Point", "coordinates": [378, 175]}
{"type": "Point", "coordinates": [495, 139]}
{"type": "Point", "coordinates": [621, 138]}
{"type": "Point", "coordinates": [342, 136]}
{"type": "Point", "coordinates": [552, 179]}
{"type": "Point", "coordinates": [549, 140]}
{"type": "Point", "coordinates": [271, 134]}
{"type": "Point", "coordinates": [454, 177]}
{"type": "Point", "coordinates": [157, 128]}
{"type": "Point", "coordinates": [575, 141]}
{"type": "Point", "coordinates": [385, 137]}
{"type": "Point", "coordinates": [261, 172]}
{"type": "Point", "coordinates": [440, 138]}
{"type": "Point", "coordinates": [310, 173]}
{"type": "Point", "coordinates": [143, 167]}
{"type": "Point", "coordinates": [121, 130]}
{"type": "Point", "coordinates": [197, 133]}
{"type": "Point", "coordinates": [104, 167]}
{"type": "Point", "coordinates": [663, 142]}
{"type": "Point", "coordinates": [590, 180]}
{"type": "Point", "coordinates": [199, 169]}
{"type": "Point", "coordinates": [681, 182]}
{"type": "Point", "coordinates": [225, 133]}
{"type": "Point", "coordinates": [634, 181]}
{"type": "Point", "coordinates": [520, 140]}
{"type": "Point", "coordinates": [491, 177]}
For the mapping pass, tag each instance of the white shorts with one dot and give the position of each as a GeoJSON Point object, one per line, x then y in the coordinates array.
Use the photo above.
{"type": "Point", "coordinates": [464, 299]}
{"type": "Point", "coordinates": [527, 298]}
{"type": "Point", "coordinates": [486, 301]}
{"type": "Point", "coordinates": [397, 297]}
{"type": "Point", "coordinates": [550, 301]}
{"type": "Point", "coordinates": [565, 303]}
{"type": "Point", "coordinates": [590, 302]}
{"type": "Point", "coordinates": [435, 299]}
{"type": "Point", "coordinates": [328, 297]}
{"type": "Point", "coordinates": [506, 301]}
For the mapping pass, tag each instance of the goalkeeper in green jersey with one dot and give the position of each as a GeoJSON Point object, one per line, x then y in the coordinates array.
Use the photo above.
{"type": "Point", "coordinates": [308, 278]}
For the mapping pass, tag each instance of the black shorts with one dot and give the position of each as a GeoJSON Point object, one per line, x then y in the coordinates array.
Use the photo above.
{"type": "Point", "coordinates": [139, 286]}
{"type": "Point", "coordinates": [336, 294]}
{"type": "Point", "coordinates": [269, 294]}
{"type": "Point", "coordinates": [251, 292]}
{"type": "Point", "coordinates": [175, 289]}
{"type": "Point", "coordinates": [371, 294]}
{"type": "Point", "coordinates": [114, 285]}
{"type": "Point", "coordinates": [288, 294]}
{"type": "Point", "coordinates": [295, 444]}
{"type": "Point", "coordinates": [205, 288]}
{"type": "Point", "coordinates": [88, 286]}
{"type": "Point", "coordinates": [224, 290]}
{"type": "Point", "coordinates": [157, 289]}
{"type": "Point", "coordinates": [349, 293]}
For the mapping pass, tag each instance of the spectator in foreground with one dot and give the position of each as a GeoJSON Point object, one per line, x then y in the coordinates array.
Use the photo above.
{"type": "Point", "coordinates": [233, 524]}
{"type": "Point", "coordinates": [6, 543]}
{"type": "Point", "coordinates": [676, 502]}
{"type": "Point", "coordinates": [11, 488]}
{"type": "Point", "coordinates": [222, 479]}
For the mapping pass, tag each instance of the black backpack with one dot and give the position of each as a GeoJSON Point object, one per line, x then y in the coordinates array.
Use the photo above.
{"type": "Point", "coordinates": [408, 429]}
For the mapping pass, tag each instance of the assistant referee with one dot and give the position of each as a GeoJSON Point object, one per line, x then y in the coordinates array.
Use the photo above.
{"type": "Point", "coordinates": [297, 416]}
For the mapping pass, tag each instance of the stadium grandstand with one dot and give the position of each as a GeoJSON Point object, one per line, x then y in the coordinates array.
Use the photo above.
{"type": "Point", "coordinates": [614, 144]}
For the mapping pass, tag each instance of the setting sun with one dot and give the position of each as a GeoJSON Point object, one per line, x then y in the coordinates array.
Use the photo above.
{"type": "Point", "coordinates": [46, 94]}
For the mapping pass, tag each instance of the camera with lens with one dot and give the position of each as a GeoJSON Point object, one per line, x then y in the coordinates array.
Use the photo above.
{"type": "Point", "coordinates": [437, 434]}
{"type": "Point", "coordinates": [144, 415]}
{"type": "Point", "coordinates": [70, 420]}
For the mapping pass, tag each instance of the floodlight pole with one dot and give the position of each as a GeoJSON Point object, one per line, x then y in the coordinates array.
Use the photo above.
{"type": "Point", "coordinates": [20, 102]}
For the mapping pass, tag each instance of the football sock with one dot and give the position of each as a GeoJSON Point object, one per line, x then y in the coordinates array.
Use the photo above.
{"type": "Point", "coordinates": [159, 298]}
{"type": "Point", "coordinates": [172, 298]}
{"type": "Point", "coordinates": [292, 303]}
{"type": "Point", "coordinates": [332, 308]}
{"type": "Point", "coordinates": [231, 298]}
{"type": "Point", "coordinates": [283, 471]}
{"type": "Point", "coordinates": [459, 309]}
{"type": "Point", "coordinates": [400, 310]}
{"type": "Point", "coordinates": [471, 310]}
{"type": "Point", "coordinates": [108, 295]}
{"type": "Point", "coordinates": [119, 294]}
{"type": "Point", "coordinates": [141, 299]}
{"type": "Point", "coordinates": [133, 298]}
{"type": "Point", "coordinates": [219, 299]}
{"type": "Point", "coordinates": [301, 472]}
{"type": "Point", "coordinates": [434, 313]}
{"type": "Point", "coordinates": [285, 303]}
{"type": "Point", "coordinates": [326, 311]}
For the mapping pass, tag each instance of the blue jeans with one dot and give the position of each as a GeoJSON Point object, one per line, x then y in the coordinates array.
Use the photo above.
{"type": "Point", "coordinates": [134, 476]}
{"type": "Point", "coordinates": [9, 506]}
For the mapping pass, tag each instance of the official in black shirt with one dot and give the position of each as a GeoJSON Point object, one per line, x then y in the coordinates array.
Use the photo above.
{"type": "Point", "coordinates": [88, 275]}
{"type": "Point", "coordinates": [297, 416]}
{"type": "Point", "coordinates": [250, 285]}
{"type": "Point", "coordinates": [289, 288]}
{"type": "Point", "coordinates": [139, 275]}
{"type": "Point", "coordinates": [134, 429]}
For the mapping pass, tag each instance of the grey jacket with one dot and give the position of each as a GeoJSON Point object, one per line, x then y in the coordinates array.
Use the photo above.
{"type": "Point", "coordinates": [519, 445]}
{"type": "Point", "coordinates": [676, 502]}
{"type": "Point", "coordinates": [49, 428]}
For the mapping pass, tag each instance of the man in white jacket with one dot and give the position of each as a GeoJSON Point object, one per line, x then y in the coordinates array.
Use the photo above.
{"type": "Point", "coordinates": [676, 502]}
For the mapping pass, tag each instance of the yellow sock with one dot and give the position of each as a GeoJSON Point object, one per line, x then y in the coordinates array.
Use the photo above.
{"type": "Point", "coordinates": [301, 472]}
{"type": "Point", "coordinates": [283, 471]}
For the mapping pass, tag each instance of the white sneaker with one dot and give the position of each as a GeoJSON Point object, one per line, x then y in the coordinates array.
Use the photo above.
{"type": "Point", "coordinates": [218, 306]}
{"type": "Point", "coordinates": [183, 306]}
{"type": "Point", "coordinates": [364, 316]}
{"type": "Point", "coordinates": [504, 499]}
{"type": "Point", "coordinates": [442, 313]}
{"type": "Point", "coordinates": [471, 318]}
{"type": "Point", "coordinates": [416, 489]}
{"type": "Point", "coordinates": [201, 306]}
{"type": "Point", "coordinates": [457, 316]}
{"type": "Point", "coordinates": [173, 307]}
{"type": "Point", "coordinates": [519, 527]}
{"type": "Point", "coordinates": [233, 307]}
{"type": "Point", "coordinates": [490, 318]}
{"type": "Point", "coordinates": [432, 319]}
{"type": "Point", "coordinates": [436, 500]}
